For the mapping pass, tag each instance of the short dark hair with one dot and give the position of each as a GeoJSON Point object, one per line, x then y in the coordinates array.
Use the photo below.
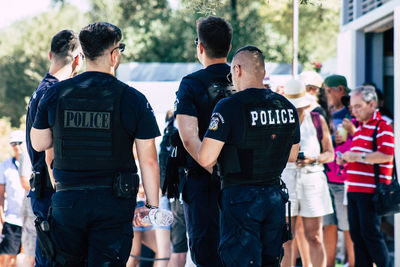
{"type": "Point", "coordinates": [63, 46]}
{"type": "Point", "coordinates": [216, 35]}
{"type": "Point", "coordinates": [97, 37]}
{"type": "Point", "coordinates": [257, 53]}
{"type": "Point", "coordinates": [252, 49]}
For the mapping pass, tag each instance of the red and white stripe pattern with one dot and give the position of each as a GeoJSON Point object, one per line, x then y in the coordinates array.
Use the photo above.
{"type": "Point", "coordinates": [360, 175]}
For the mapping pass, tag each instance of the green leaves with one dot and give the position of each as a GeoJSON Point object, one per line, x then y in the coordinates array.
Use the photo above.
{"type": "Point", "coordinates": [153, 32]}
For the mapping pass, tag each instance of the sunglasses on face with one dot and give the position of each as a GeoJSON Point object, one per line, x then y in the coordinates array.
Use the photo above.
{"type": "Point", "coordinates": [121, 48]}
{"type": "Point", "coordinates": [15, 143]}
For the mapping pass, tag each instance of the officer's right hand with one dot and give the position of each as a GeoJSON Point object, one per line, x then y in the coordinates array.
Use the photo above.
{"type": "Point", "coordinates": [139, 214]}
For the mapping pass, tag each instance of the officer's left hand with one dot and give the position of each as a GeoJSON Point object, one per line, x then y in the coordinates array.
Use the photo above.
{"type": "Point", "coordinates": [140, 213]}
{"type": "Point", "coordinates": [305, 161]}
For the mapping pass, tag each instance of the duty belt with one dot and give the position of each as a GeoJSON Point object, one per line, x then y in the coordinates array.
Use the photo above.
{"type": "Point", "coordinates": [96, 184]}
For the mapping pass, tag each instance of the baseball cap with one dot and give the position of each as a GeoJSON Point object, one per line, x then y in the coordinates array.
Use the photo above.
{"type": "Point", "coordinates": [17, 136]}
{"type": "Point", "coordinates": [335, 81]}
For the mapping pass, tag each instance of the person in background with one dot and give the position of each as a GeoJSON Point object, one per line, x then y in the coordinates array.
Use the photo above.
{"type": "Point", "coordinates": [369, 246]}
{"type": "Point", "coordinates": [305, 179]}
{"type": "Point", "coordinates": [178, 227]}
{"type": "Point", "coordinates": [12, 194]}
{"type": "Point", "coordinates": [28, 217]}
{"type": "Point", "coordinates": [336, 89]}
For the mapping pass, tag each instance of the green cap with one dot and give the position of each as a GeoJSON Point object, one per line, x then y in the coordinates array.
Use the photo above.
{"type": "Point", "coordinates": [335, 81]}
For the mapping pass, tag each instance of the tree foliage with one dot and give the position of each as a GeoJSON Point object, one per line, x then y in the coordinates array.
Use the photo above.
{"type": "Point", "coordinates": [154, 32]}
{"type": "Point", "coordinates": [24, 58]}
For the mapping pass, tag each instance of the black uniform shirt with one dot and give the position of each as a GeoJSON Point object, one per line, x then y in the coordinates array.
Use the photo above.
{"type": "Point", "coordinates": [137, 117]}
{"type": "Point", "coordinates": [37, 158]}
{"type": "Point", "coordinates": [192, 100]}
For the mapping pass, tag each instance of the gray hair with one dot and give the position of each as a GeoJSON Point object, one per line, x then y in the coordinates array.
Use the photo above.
{"type": "Point", "coordinates": [367, 93]}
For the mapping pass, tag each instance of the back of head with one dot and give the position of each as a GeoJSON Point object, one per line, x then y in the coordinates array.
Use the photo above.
{"type": "Point", "coordinates": [64, 46]}
{"type": "Point", "coordinates": [251, 61]}
{"type": "Point", "coordinates": [215, 34]}
{"type": "Point", "coordinates": [97, 37]}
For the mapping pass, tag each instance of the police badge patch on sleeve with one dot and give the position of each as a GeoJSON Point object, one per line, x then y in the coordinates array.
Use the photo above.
{"type": "Point", "coordinates": [214, 124]}
{"type": "Point", "coordinates": [215, 119]}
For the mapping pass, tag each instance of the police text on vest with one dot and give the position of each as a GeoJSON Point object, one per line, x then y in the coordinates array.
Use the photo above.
{"type": "Point", "coordinates": [276, 116]}
{"type": "Point", "coordinates": [87, 119]}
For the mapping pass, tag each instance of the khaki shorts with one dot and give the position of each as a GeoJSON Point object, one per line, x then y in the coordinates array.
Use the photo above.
{"type": "Point", "coordinates": [308, 193]}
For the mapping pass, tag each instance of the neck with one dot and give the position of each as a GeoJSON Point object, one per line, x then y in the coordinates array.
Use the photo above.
{"type": "Point", "coordinates": [92, 66]}
{"type": "Point", "coordinates": [211, 61]}
{"type": "Point", "coordinates": [338, 106]}
{"type": "Point", "coordinates": [252, 84]}
{"type": "Point", "coordinates": [16, 156]}
{"type": "Point", "coordinates": [61, 73]}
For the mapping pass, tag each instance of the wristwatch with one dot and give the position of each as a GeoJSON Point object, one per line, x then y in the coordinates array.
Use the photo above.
{"type": "Point", "coordinates": [363, 156]}
{"type": "Point", "coordinates": [147, 205]}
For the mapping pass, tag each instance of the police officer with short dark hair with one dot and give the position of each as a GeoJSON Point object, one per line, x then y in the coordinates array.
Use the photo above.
{"type": "Point", "coordinates": [252, 133]}
{"type": "Point", "coordinates": [65, 61]}
{"type": "Point", "coordinates": [92, 121]}
{"type": "Point", "coordinates": [193, 107]}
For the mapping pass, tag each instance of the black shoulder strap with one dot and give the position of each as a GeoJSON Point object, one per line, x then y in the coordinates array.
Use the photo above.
{"type": "Point", "coordinates": [375, 148]}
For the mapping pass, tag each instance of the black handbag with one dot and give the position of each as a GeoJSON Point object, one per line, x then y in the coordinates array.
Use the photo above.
{"type": "Point", "coordinates": [387, 197]}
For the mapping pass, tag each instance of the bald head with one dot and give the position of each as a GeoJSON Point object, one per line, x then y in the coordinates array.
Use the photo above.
{"type": "Point", "coordinates": [251, 61]}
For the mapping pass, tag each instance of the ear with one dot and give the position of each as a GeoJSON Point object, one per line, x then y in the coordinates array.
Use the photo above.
{"type": "Point", "coordinates": [373, 104]}
{"type": "Point", "coordinates": [113, 57]}
{"type": "Point", "coordinates": [238, 71]}
{"type": "Point", "coordinates": [77, 60]}
{"type": "Point", "coordinates": [201, 47]}
{"type": "Point", "coordinates": [50, 55]}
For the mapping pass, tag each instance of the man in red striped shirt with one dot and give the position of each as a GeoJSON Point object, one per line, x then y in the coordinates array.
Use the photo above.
{"type": "Point", "coordinates": [369, 246]}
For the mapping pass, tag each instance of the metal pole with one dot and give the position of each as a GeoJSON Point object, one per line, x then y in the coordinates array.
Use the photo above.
{"type": "Point", "coordinates": [295, 38]}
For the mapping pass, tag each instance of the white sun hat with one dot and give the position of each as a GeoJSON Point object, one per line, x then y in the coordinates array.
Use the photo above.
{"type": "Point", "coordinates": [311, 78]}
{"type": "Point", "coordinates": [295, 92]}
{"type": "Point", "coordinates": [17, 136]}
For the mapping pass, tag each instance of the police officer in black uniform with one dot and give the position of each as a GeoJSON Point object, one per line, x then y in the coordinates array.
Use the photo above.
{"type": "Point", "coordinates": [92, 121]}
{"type": "Point", "coordinates": [253, 133]}
{"type": "Point", "coordinates": [65, 61]}
{"type": "Point", "coordinates": [193, 107]}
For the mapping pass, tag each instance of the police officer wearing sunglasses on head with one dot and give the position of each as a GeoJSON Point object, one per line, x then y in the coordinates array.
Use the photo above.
{"type": "Point", "coordinates": [92, 121]}
{"type": "Point", "coordinates": [253, 134]}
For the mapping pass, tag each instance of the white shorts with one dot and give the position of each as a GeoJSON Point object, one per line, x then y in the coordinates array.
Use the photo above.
{"type": "Point", "coordinates": [28, 228]}
{"type": "Point", "coordinates": [308, 193]}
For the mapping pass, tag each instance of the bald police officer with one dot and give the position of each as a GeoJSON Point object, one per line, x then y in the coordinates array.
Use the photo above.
{"type": "Point", "coordinates": [253, 134]}
{"type": "Point", "coordinates": [92, 121]}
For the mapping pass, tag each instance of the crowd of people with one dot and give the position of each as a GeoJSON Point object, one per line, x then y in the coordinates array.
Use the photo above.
{"type": "Point", "coordinates": [253, 176]}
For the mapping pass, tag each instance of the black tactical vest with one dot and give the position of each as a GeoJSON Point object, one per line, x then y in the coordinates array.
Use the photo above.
{"type": "Point", "coordinates": [88, 134]}
{"type": "Point", "coordinates": [269, 131]}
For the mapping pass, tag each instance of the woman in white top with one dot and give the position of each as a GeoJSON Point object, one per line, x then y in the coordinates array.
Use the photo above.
{"type": "Point", "coordinates": [305, 179]}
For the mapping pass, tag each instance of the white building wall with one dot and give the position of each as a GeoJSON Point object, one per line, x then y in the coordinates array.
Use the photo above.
{"type": "Point", "coordinates": [351, 57]}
